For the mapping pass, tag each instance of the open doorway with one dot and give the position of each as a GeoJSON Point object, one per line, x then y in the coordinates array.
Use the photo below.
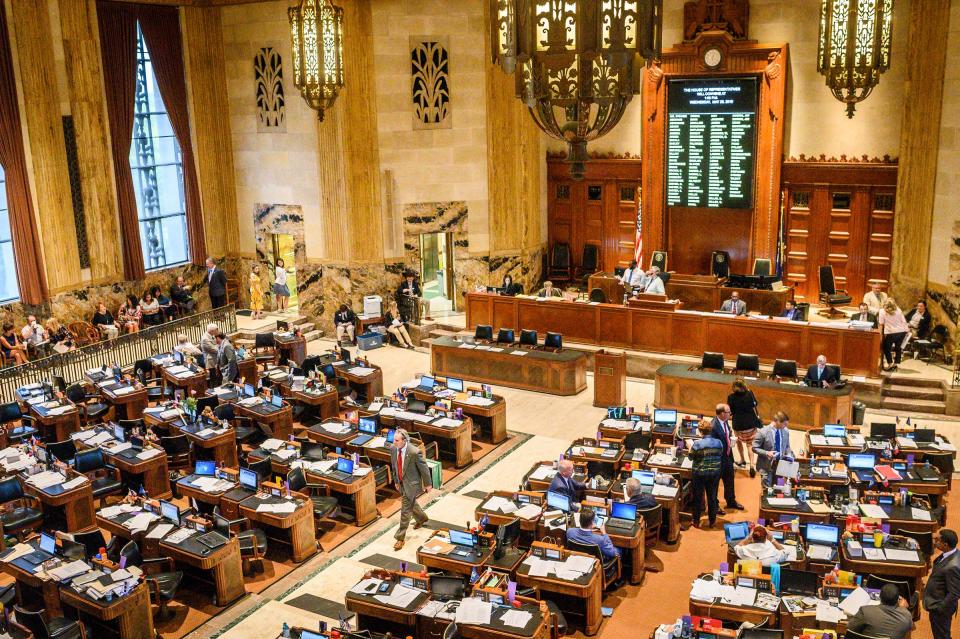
{"type": "Point", "coordinates": [283, 248]}
{"type": "Point", "coordinates": [436, 270]}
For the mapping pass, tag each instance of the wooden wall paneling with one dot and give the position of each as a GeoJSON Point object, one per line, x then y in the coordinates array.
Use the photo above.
{"type": "Point", "coordinates": [690, 247]}
{"type": "Point", "coordinates": [797, 222]}
{"type": "Point", "coordinates": [838, 236]}
{"type": "Point", "coordinates": [625, 222]}
{"type": "Point", "coordinates": [210, 127]}
{"type": "Point", "coordinates": [616, 326]}
{"type": "Point", "coordinates": [478, 310]}
{"type": "Point", "coordinates": [33, 43]}
{"type": "Point", "coordinates": [504, 315]}
{"type": "Point", "coordinates": [880, 238]}
{"type": "Point", "coordinates": [81, 46]}
{"type": "Point", "coordinates": [651, 331]}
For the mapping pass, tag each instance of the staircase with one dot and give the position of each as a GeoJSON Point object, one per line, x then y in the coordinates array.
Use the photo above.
{"type": "Point", "coordinates": [246, 337]}
{"type": "Point", "coordinates": [908, 393]}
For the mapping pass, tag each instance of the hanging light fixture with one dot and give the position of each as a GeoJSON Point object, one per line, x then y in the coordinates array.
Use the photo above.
{"type": "Point", "coordinates": [316, 30]}
{"type": "Point", "coordinates": [576, 62]}
{"type": "Point", "coordinates": [854, 47]}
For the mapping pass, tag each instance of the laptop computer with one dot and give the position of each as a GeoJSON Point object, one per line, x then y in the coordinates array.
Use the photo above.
{"type": "Point", "coordinates": [464, 541]}
{"type": "Point", "coordinates": [834, 430]}
{"type": "Point", "coordinates": [368, 430]}
{"type": "Point", "coordinates": [427, 383]}
{"type": "Point", "coordinates": [343, 471]}
{"type": "Point", "coordinates": [48, 547]}
{"type": "Point", "coordinates": [861, 464]}
{"type": "Point", "coordinates": [925, 435]}
{"type": "Point", "coordinates": [646, 478]}
{"type": "Point", "coordinates": [212, 539]}
{"type": "Point", "coordinates": [623, 516]}
{"type": "Point", "coordinates": [736, 531]}
{"type": "Point", "coordinates": [664, 420]}
{"type": "Point", "coordinates": [822, 540]}
{"type": "Point", "coordinates": [205, 468]}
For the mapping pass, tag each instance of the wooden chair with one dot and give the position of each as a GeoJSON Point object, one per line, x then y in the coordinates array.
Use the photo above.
{"type": "Point", "coordinates": [84, 333]}
{"type": "Point", "coordinates": [561, 269]}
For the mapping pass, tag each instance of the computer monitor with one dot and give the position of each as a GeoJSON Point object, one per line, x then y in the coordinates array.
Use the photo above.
{"type": "Point", "coordinates": [623, 510]}
{"type": "Point", "coordinates": [553, 340]}
{"type": "Point", "coordinates": [455, 384]}
{"type": "Point", "coordinates": [249, 390]}
{"type": "Point", "coordinates": [798, 582]}
{"type": "Point", "coordinates": [277, 400]}
{"type": "Point", "coordinates": [368, 425]}
{"type": "Point", "coordinates": [925, 435]}
{"type": "Point", "coordinates": [834, 430]}
{"type": "Point", "coordinates": [178, 357]}
{"type": "Point", "coordinates": [736, 531]}
{"type": "Point", "coordinates": [249, 479]}
{"type": "Point", "coordinates": [507, 534]}
{"type": "Point", "coordinates": [461, 538]}
{"type": "Point", "coordinates": [427, 382]}
{"type": "Point", "coordinates": [310, 634]}
{"type": "Point", "coordinates": [48, 543]}
{"type": "Point", "coordinates": [170, 512]}
{"type": "Point", "coordinates": [416, 406]}
{"type": "Point", "coordinates": [823, 534]}
{"type": "Point", "coordinates": [390, 434]}
{"type": "Point", "coordinates": [118, 433]}
{"type": "Point", "coordinates": [617, 412]}
{"type": "Point", "coordinates": [862, 461]}
{"type": "Point", "coordinates": [444, 587]}
{"type": "Point", "coordinates": [664, 416]}
{"type": "Point", "coordinates": [883, 430]}
{"type": "Point", "coordinates": [205, 468]}
{"type": "Point", "coordinates": [558, 501]}
{"type": "Point", "coordinates": [646, 477]}
{"type": "Point", "coordinates": [329, 372]}
{"type": "Point", "coordinates": [10, 412]}
{"type": "Point", "coordinates": [494, 599]}
{"type": "Point", "coordinates": [345, 356]}
{"type": "Point", "coordinates": [885, 500]}
{"type": "Point", "coordinates": [345, 465]}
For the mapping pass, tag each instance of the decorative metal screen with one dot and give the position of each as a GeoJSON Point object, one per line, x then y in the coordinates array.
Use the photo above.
{"type": "Point", "coordinates": [430, 70]}
{"type": "Point", "coordinates": [271, 104]}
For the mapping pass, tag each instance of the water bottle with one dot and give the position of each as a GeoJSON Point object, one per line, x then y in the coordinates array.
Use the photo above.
{"type": "Point", "coordinates": [285, 630]}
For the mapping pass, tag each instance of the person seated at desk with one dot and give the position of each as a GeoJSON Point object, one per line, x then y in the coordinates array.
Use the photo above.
{"type": "Point", "coordinates": [586, 534]}
{"type": "Point", "coordinates": [564, 483]}
{"type": "Point", "coordinates": [103, 320]}
{"type": "Point", "coordinates": [633, 277]}
{"type": "Point", "coordinates": [653, 285]}
{"type": "Point", "coordinates": [918, 319]}
{"type": "Point", "coordinates": [180, 294]}
{"type": "Point", "coordinates": [890, 619]}
{"type": "Point", "coordinates": [61, 340]}
{"type": "Point", "coordinates": [761, 546]}
{"type": "Point", "coordinates": [734, 305]}
{"type": "Point", "coordinates": [549, 291]}
{"type": "Point", "coordinates": [864, 315]}
{"type": "Point", "coordinates": [34, 336]}
{"type": "Point", "coordinates": [633, 491]}
{"type": "Point", "coordinates": [820, 375]}
{"type": "Point", "coordinates": [509, 288]}
{"type": "Point", "coordinates": [11, 347]}
{"type": "Point", "coordinates": [875, 299]}
{"type": "Point", "coordinates": [345, 321]}
{"type": "Point", "coordinates": [185, 346]}
{"type": "Point", "coordinates": [791, 312]}
{"type": "Point", "coordinates": [771, 445]}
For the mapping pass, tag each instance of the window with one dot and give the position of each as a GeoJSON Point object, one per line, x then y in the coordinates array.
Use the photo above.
{"type": "Point", "coordinates": [157, 168]}
{"type": "Point", "coordinates": [9, 290]}
{"type": "Point", "coordinates": [594, 192]}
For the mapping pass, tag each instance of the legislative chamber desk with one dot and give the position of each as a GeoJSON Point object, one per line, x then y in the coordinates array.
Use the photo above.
{"type": "Point", "coordinates": [561, 373]}
{"type": "Point", "coordinates": [706, 293]}
{"type": "Point", "coordinates": [129, 616]}
{"type": "Point", "coordinates": [680, 332]}
{"type": "Point", "coordinates": [698, 392]}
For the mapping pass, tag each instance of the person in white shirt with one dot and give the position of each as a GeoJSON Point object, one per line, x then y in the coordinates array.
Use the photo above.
{"type": "Point", "coordinates": [761, 546]}
{"type": "Point", "coordinates": [654, 285]}
{"type": "Point", "coordinates": [280, 289]}
{"type": "Point", "coordinates": [34, 336]}
{"type": "Point", "coordinates": [633, 277]}
{"type": "Point", "coordinates": [185, 346]}
{"type": "Point", "coordinates": [875, 299]}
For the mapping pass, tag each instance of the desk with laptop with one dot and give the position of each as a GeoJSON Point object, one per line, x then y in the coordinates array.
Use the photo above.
{"type": "Point", "coordinates": [882, 437]}
{"type": "Point", "coordinates": [456, 551]}
{"type": "Point", "coordinates": [488, 411]}
{"type": "Point", "coordinates": [668, 492]}
{"type": "Point", "coordinates": [737, 531]}
{"type": "Point", "coordinates": [433, 423]}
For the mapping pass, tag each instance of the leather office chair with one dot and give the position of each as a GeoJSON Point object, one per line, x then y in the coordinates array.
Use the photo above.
{"type": "Point", "coordinates": [905, 588]}
{"type": "Point", "coordinates": [611, 566]}
{"type": "Point", "coordinates": [143, 371]}
{"type": "Point", "coordinates": [528, 338]}
{"type": "Point", "coordinates": [830, 295]}
{"type": "Point", "coordinates": [93, 540]}
{"type": "Point", "coordinates": [653, 519]}
{"type": "Point", "coordinates": [21, 513]}
{"type": "Point", "coordinates": [24, 430]}
{"type": "Point", "coordinates": [589, 260]}
{"type": "Point", "coordinates": [262, 468]}
{"type": "Point", "coordinates": [162, 585]}
{"type": "Point", "coordinates": [761, 266]}
{"type": "Point", "coordinates": [483, 332]}
{"type": "Point", "coordinates": [178, 451]}
{"type": "Point", "coordinates": [225, 411]}
{"type": "Point", "coordinates": [56, 628]}
{"type": "Point", "coordinates": [597, 295]}
{"type": "Point", "coordinates": [925, 539]}
{"type": "Point", "coordinates": [104, 480]}
{"type": "Point", "coordinates": [204, 402]}
{"type": "Point", "coordinates": [636, 439]}
{"type": "Point", "coordinates": [785, 369]}
{"type": "Point", "coordinates": [942, 461]}
{"type": "Point", "coordinates": [64, 451]}
{"type": "Point", "coordinates": [252, 541]}
{"type": "Point", "coordinates": [712, 361]}
{"type": "Point", "coordinates": [264, 347]}
{"type": "Point", "coordinates": [381, 473]}
{"type": "Point", "coordinates": [747, 364]}
{"type": "Point", "coordinates": [553, 340]}
{"type": "Point", "coordinates": [91, 408]}
{"type": "Point", "coordinates": [325, 506]}
{"type": "Point", "coordinates": [313, 451]}
{"type": "Point", "coordinates": [560, 267]}
{"type": "Point", "coordinates": [505, 336]}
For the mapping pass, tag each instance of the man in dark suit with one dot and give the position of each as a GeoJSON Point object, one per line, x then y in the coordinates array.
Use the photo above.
{"type": "Point", "coordinates": [864, 315]}
{"type": "Point", "coordinates": [791, 312]}
{"type": "Point", "coordinates": [634, 493]}
{"type": "Point", "coordinates": [890, 619]}
{"type": "Point", "coordinates": [820, 375]}
{"type": "Point", "coordinates": [411, 476]}
{"type": "Point", "coordinates": [216, 284]}
{"type": "Point", "coordinates": [226, 359]}
{"type": "Point", "coordinates": [943, 584]}
{"type": "Point", "coordinates": [564, 483]}
{"type": "Point", "coordinates": [721, 430]}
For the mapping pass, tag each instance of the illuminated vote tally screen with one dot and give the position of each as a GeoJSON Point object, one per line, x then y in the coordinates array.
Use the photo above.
{"type": "Point", "coordinates": [711, 142]}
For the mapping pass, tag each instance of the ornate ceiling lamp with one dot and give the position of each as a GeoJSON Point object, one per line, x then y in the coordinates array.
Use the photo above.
{"type": "Point", "coordinates": [854, 47]}
{"type": "Point", "coordinates": [576, 62]}
{"type": "Point", "coordinates": [316, 30]}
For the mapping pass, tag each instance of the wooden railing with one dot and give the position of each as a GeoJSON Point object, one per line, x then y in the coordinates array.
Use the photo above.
{"type": "Point", "coordinates": [124, 351]}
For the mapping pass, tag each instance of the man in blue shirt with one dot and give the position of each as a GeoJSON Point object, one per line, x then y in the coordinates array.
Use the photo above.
{"type": "Point", "coordinates": [585, 534]}
{"type": "Point", "coordinates": [564, 483]}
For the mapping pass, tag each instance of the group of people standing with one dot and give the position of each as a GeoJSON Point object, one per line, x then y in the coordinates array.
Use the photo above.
{"type": "Point", "coordinates": [898, 328]}
{"type": "Point", "coordinates": [279, 287]}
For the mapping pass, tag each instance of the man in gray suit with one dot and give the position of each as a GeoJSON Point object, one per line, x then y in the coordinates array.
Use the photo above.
{"type": "Point", "coordinates": [771, 445]}
{"type": "Point", "coordinates": [411, 476]}
{"type": "Point", "coordinates": [226, 359]}
{"type": "Point", "coordinates": [890, 619]}
{"type": "Point", "coordinates": [943, 584]}
{"type": "Point", "coordinates": [734, 305]}
{"type": "Point", "coordinates": [210, 350]}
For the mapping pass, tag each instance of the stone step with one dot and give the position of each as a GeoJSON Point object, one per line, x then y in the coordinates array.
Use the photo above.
{"type": "Point", "coordinates": [306, 327]}
{"type": "Point", "coordinates": [442, 332]}
{"type": "Point", "coordinates": [912, 392]}
{"type": "Point", "coordinates": [903, 379]}
{"type": "Point", "coordinates": [313, 335]}
{"type": "Point", "coordinates": [929, 406]}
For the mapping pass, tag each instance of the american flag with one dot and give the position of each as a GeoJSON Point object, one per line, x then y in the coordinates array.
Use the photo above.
{"type": "Point", "coordinates": [638, 243]}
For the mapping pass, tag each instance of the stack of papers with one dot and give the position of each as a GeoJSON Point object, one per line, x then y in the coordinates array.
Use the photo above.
{"type": "Point", "coordinates": [542, 473]}
{"type": "Point", "coordinates": [820, 553]}
{"type": "Point", "coordinates": [17, 551]}
{"type": "Point", "coordinates": [874, 554]}
{"type": "Point", "coordinates": [516, 618]}
{"type": "Point", "coordinates": [570, 569]}
{"type": "Point", "coordinates": [212, 484]}
{"type": "Point", "coordinates": [140, 522]}
{"type": "Point", "coordinates": [855, 601]}
{"type": "Point", "coordinates": [76, 481]}
{"type": "Point", "coordinates": [781, 502]}
{"type": "Point", "coordinates": [659, 490]}
{"type": "Point", "coordinates": [528, 511]}
{"type": "Point", "coordinates": [501, 504]}
{"type": "Point", "coordinates": [896, 554]}
{"type": "Point", "coordinates": [818, 440]}
{"type": "Point", "coordinates": [180, 535]}
{"type": "Point", "coordinates": [61, 410]}
{"type": "Point", "coordinates": [475, 611]}
{"type": "Point", "coordinates": [661, 459]}
{"type": "Point", "coordinates": [376, 442]}
{"type": "Point", "coordinates": [361, 370]}
{"type": "Point", "coordinates": [46, 479]}
{"type": "Point", "coordinates": [337, 428]}
{"type": "Point", "coordinates": [148, 453]}
{"type": "Point", "coordinates": [15, 463]}
{"type": "Point", "coordinates": [69, 570]}
{"type": "Point", "coordinates": [283, 508]}
{"type": "Point", "coordinates": [920, 514]}
{"type": "Point", "coordinates": [873, 510]}
{"type": "Point", "coordinates": [446, 422]}
{"type": "Point", "coordinates": [159, 531]}
{"type": "Point", "coordinates": [271, 444]}
{"type": "Point", "coordinates": [477, 400]}
{"type": "Point", "coordinates": [703, 590]}
{"type": "Point", "coordinates": [906, 442]}
{"type": "Point", "coordinates": [286, 453]}
{"type": "Point", "coordinates": [401, 596]}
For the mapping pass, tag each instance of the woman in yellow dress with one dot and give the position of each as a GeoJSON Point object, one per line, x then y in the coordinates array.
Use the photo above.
{"type": "Point", "coordinates": [256, 293]}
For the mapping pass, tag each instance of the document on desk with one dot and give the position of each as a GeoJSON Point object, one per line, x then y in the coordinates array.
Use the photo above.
{"type": "Point", "coordinates": [782, 502]}
{"type": "Point", "coordinates": [703, 590]}
{"type": "Point", "coordinates": [478, 400]}
{"type": "Point", "coordinates": [367, 586]}
{"type": "Point", "coordinates": [906, 442]}
{"type": "Point", "coordinates": [873, 510]}
{"type": "Point", "coordinates": [376, 442]}
{"type": "Point", "coordinates": [579, 563]}
{"type": "Point", "coordinates": [99, 438]}
{"type": "Point", "coordinates": [446, 422]}
{"type": "Point", "coordinates": [819, 507]}
{"type": "Point", "coordinates": [687, 463]}
{"type": "Point", "coordinates": [818, 440]}
{"type": "Point", "coordinates": [181, 535]}
{"type": "Point", "coordinates": [465, 345]}
{"type": "Point", "coordinates": [855, 439]}
{"type": "Point", "coordinates": [16, 552]}
{"type": "Point", "coordinates": [788, 468]}
{"type": "Point", "coordinates": [160, 531]}
{"type": "Point", "coordinates": [528, 511]}
{"type": "Point", "coordinates": [119, 448]}
{"type": "Point", "coordinates": [323, 466]}
{"type": "Point", "coordinates": [362, 371]}
{"type": "Point", "coordinates": [820, 553]}
{"type": "Point", "coordinates": [659, 490]}
{"type": "Point", "coordinates": [516, 618]}
{"type": "Point", "coordinates": [283, 508]}
{"type": "Point", "coordinates": [920, 514]}
{"type": "Point", "coordinates": [69, 570]}
{"type": "Point", "coordinates": [140, 522]}
{"type": "Point", "coordinates": [661, 459]}
{"type": "Point", "coordinates": [46, 479]}
{"type": "Point", "coordinates": [76, 481]}
{"type": "Point", "coordinates": [271, 444]}
{"type": "Point", "coordinates": [500, 504]}
{"type": "Point", "coordinates": [286, 453]}
{"type": "Point", "coordinates": [337, 428]}
{"type": "Point", "coordinates": [541, 473]}
{"type": "Point", "coordinates": [475, 611]}
{"type": "Point", "coordinates": [61, 410]}
{"type": "Point", "coordinates": [827, 613]}
{"type": "Point", "coordinates": [401, 596]}
{"type": "Point", "coordinates": [835, 441]}
{"type": "Point", "coordinates": [148, 453]}
{"type": "Point", "coordinates": [897, 554]}
{"type": "Point", "coordinates": [874, 554]}
{"type": "Point", "coordinates": [856, 600]}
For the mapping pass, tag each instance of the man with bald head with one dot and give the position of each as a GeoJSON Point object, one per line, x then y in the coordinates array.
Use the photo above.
{"type": "Point", "coordinates": [564, 483]}
{"type": "Point", "coordinates": [633, 493]}
{"type": "Point", "coordinates": [820, 375]}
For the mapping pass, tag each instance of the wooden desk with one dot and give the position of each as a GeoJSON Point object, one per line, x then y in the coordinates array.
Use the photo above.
{"type": "Point", "coordinates": [153, 474]}
{"type": "Point", "coordinates": [432, 628]}
{"type": "Point", "coordinates": [497, 518]}
{"type": "Point", "coordinates": [458, 565]}
{"type": "Point", "coordinates": [801, 511]}
{"type": "Point", "coordinates": [613, 289]}
{"type": "Point", "coordinates": [76, 504]}
{"type": "Point", "coordinates": [369, 385]}
{"type": "Point", "coordinates": [634, 543]}
{"type": "Point", "coordinates": [196, 382]}
{"type": "Point", "coordinates": [292, 348]}
{"type": "Point", "coordinates": [32, 591]}
{"type": "Point", "coordinates": [220, 447]}
{"type": "Point", "coordinates": [247, 369]}
{"type": "Point", "coordinates": [895, 569]}
{"type": "Point", "coordinates": [587, 587]}
{"type": "Point", "coordinates": [126, 404]}
{"type": "Point", "coordinates": [698, 392]}
{"type": "Point", "coordinates": [222, 564]}
{"type": "Point", "coordinates": [670, 522]}
{"type": "Point", "coordinates": [736, 614]}
{"type": "Point", "coordinates": [361, 491]}
{"type": "Point", "coordinates": [377, 616]}
{"type": "Point", "coordinates": [681, 332]}
{"type": "Point", "coordinates": [296, 529]}
{"type": "Point", "coordinates": [707, 293]}
{"type": "Point", "coordinates": [56, 427]}
{"type": "Point", "coordinates": [279, 421]}
{"type": "Point", "coordinates": [186, 488]}
{"type": "Point", "coordinates": [491, 419]}
{"type": "Point", "coordinates": [563, 373]}
{"type": "Point", "coordinates": [793, 622]}
{"type": "Point", "coordinates": [317, 405]}
{"type": "Point", "coordinates": [129, 616]}
{"type": "Point", "coordinates": [460, 437]}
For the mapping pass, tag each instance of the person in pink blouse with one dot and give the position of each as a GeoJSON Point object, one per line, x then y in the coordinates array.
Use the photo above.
{"type": "Point", "coordinates": [895, 331]}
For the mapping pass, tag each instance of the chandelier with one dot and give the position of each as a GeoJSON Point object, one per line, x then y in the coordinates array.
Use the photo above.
{"type": "Point", "coordinates": [316, 30]}
{"type": "Point", "coordinates": [576, 62]}
{"type": "Point", "coordinates": [854, 47]}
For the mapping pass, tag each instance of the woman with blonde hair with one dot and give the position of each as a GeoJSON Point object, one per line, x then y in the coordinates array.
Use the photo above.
{"type": "Point", "coordinates": [256, 292]}
{"type": "Point", "coordinates": [396, 326]}
{"type": "Point", "coordinates": [895, 331]}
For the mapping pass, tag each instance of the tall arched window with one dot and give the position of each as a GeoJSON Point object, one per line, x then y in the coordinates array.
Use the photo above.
{"type": "Point", "coordinates": [9, 290]}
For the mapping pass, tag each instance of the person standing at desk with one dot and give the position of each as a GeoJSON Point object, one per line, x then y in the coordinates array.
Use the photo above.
{"type": "Point", "coordinates": [226, 360]}
{"type": "Point", "coordinates": [633, 491]}
{"type": "Point", "coordinates": [633, 277]}
{"type": "Point", "coordinates": [208, 345]}
{"type": "Point", "coordinates": [548, 290]}
{"type": "Point", "coordinates": [585, 534]}
{"type": "Point", "coordinates": [746, 421]}
{"type": "Point", "coordinates": [772, 445]}
{"type": "Point", "coordinates": [864, 315]}
{"type": "Point", "coordinates": [216, 284]}
{"type": "Point", "coordinates": [890, 619]}
{"type": "Point", "coordinates": [564, 483]}
{"type": "Point", "coordinates": [707, 455]}
{"type": "Point", "coordinates": [820, 375]}
{"type": "Point", "coordinates": [721, 430]}
{"type": "Point", "coordinates": [411, 476]}
{"type": "Point", "coordinates": [653, 284]}
{"type": "Point", "coordinates": [875, 299]}
{"type": "Point", "coordinates": [734, 305]}
{"type": "Point", "coordinates": [943, 584]}
{"type": "Point", "coordinates": [895, 332]}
